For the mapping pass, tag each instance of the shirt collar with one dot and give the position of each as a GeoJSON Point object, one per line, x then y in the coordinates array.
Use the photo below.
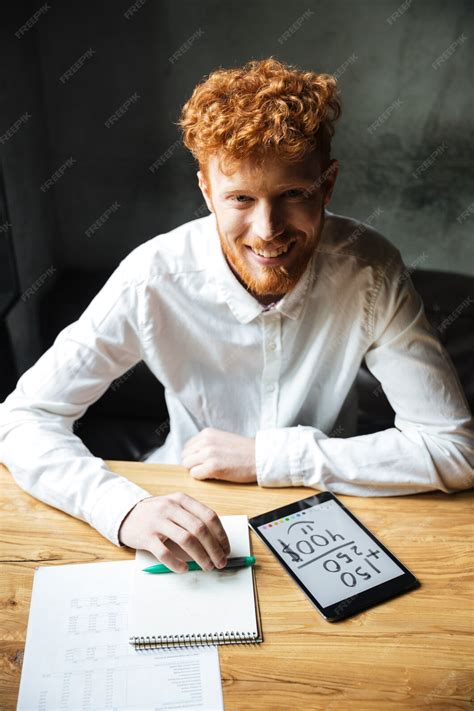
{"type": "Point", "coordinates": [243, 305]}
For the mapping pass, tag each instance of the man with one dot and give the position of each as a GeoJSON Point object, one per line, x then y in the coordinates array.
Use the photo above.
{"type": "Point", "coordinates": [256, 319]}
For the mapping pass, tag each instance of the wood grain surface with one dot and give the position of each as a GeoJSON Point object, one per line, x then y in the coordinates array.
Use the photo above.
{"type": "Point", "coordinates": [412, 652]}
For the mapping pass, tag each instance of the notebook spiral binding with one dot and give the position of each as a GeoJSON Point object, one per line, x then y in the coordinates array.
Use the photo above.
{"type": "Point", "coordinates": [194, 640]}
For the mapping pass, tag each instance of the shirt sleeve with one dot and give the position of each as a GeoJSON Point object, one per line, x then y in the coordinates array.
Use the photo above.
{"type": "Point", "coordinates": [430, 447]}
{"type": "Point", "coordinates": [37, 443]}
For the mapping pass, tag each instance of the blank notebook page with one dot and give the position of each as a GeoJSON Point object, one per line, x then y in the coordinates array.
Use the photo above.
{"type": "Point", "coordinates": [196, 602]}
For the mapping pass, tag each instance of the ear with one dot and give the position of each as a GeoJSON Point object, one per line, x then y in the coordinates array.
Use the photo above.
{"type": "Point", "coordinates": [205, 190]}
{"type": "Point", "coordinates": [331, 175]}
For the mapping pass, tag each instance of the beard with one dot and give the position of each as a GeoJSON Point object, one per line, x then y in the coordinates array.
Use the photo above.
{"type": "Point", "coordinates": [262, 280]}
{"type": "Point", "coordinates": [267, 280]}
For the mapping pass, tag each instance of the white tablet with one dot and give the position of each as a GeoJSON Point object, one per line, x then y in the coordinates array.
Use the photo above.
{"type": "Point", "coordinates": [341, 567]}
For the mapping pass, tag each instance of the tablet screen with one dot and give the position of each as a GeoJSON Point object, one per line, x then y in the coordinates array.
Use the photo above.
{"type": "Point", "coordinates": [331, 555]}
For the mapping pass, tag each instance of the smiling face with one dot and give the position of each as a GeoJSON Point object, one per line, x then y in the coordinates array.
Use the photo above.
{"type": "Point", "coordinates": [269, 219]}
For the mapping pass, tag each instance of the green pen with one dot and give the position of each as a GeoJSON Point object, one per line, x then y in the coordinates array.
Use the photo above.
{"type": "Point", "coordinates": [242, 562]}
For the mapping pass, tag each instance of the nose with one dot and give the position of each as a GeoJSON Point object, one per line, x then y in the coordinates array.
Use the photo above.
{"type": "Point", "coordinates": [268, 223]}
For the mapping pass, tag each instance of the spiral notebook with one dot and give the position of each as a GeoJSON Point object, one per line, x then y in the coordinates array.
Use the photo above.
{"type": "Point", "coordinates": [196, 608]}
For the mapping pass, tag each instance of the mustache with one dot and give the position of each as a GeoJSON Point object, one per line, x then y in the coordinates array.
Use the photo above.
{"type": "Point", "coordinates": [270, 247]}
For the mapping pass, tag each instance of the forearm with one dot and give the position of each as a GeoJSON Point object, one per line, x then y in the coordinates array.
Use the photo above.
{"type": "Point", "coordinates": [52, 464]}
{"type": "Point", "coordinates": [36, 440]}
{"type": "Point", "coordinates": [387, 463]}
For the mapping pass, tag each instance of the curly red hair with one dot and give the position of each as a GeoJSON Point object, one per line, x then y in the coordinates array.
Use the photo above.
{"type": "Point", "coordinates": [264, 107]}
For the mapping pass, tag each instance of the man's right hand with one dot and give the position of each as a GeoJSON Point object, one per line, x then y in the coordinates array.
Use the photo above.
{"type": "Point", "coordinates": [176, 528]}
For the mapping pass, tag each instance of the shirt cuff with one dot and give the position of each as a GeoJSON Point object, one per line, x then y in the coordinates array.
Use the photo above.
{"type": "Point", "coordinates": [110, 510]}
{"type": "Point", "coordinates": [286, 456]}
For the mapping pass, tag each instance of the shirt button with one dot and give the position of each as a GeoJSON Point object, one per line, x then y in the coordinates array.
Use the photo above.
{"type": "Point", "coordinates": [272, 346]}
{"type": "Point", "coordinates": [270, 388]}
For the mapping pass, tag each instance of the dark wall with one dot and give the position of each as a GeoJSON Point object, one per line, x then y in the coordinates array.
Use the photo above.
{"type": "Point", "coordinates": [399, 111]}
{"type": "Point", "coordinates": [25, 155]}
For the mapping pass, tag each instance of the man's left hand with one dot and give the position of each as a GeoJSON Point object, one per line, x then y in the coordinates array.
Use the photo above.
{"type": "Point", "coordinates": [215, 454]}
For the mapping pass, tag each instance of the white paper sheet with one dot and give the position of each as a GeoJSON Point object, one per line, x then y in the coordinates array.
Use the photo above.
{"type": "Point", "coordinates": [78, 657]}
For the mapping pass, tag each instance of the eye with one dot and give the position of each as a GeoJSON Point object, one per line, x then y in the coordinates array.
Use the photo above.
{"type": "Point", "coordinates": [298, 192]}
{"type": "Point", "coordinates": [236, 197]}
{"type": "Point", "coordinates": [292, 193]}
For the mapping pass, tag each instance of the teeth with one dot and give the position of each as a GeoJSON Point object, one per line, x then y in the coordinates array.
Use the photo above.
{"type": "Point", "coordinates": [275, 253]}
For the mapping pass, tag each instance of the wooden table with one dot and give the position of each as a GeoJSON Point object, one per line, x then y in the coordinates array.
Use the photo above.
{"type": "Point", "coordinates": [412, 652]}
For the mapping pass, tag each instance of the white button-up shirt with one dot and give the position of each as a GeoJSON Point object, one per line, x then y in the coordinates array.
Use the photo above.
{"type": "Point", "coordinates": [283, 374]}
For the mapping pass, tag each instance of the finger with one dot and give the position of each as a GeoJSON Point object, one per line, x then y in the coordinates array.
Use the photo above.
{"type": "Point", "coordinates": [191, 458]}
{"type": "Point", "coordinates": [208, 516]}
{"type": "Point", "coordinates": [188, 543]}
{"type": "Point", "coordinates": [176, 550]}
{"type": "Point", "coordinates": [194, 445]}
{"type": "Point", "coordinates": [203, 471]}
{"type": "Point", "coordinates": [201, 532]}
{"type": "Point", "coordinates": [165, 556]}
{"type": "Point", "coordinates": [204, 437]}
{"type": "Point", "coordinates": [200, 472]}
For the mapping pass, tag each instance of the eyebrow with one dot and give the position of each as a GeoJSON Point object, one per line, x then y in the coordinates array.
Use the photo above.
{"type": "Point", "coordinates": [293, 184]}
